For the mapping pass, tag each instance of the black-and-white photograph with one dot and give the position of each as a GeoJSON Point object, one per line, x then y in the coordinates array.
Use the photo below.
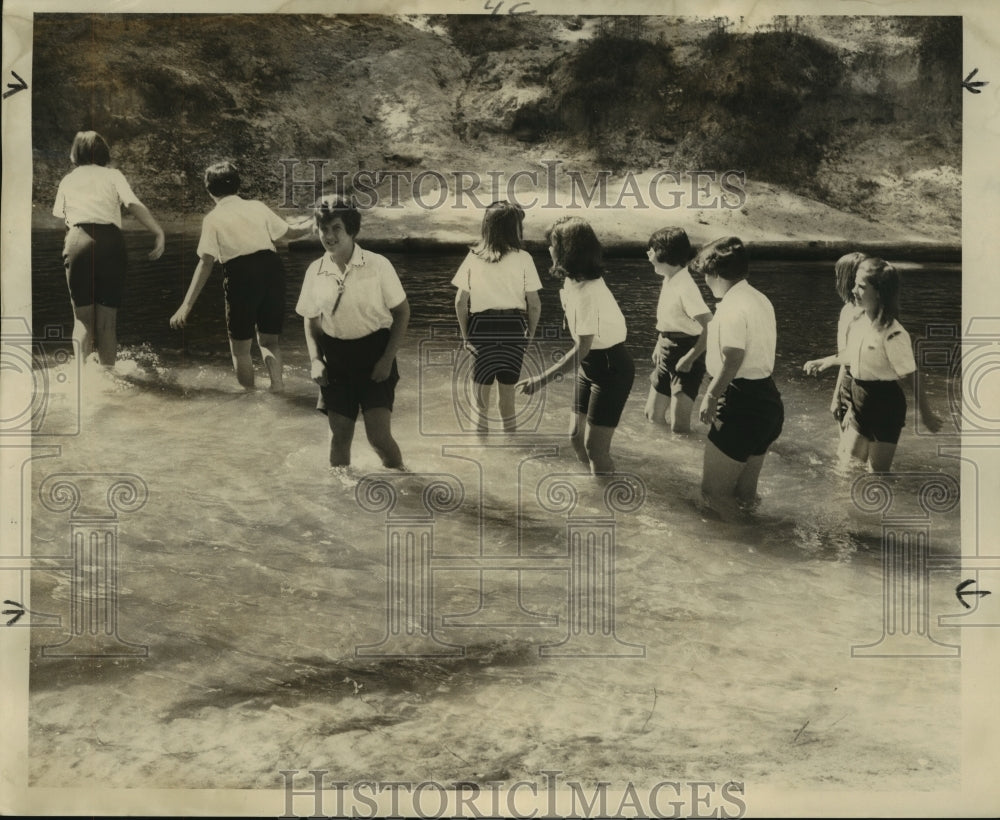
{"type": "Point", "coordinates": [668, 491]}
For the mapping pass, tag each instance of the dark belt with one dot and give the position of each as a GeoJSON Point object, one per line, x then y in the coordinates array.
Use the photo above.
{"type": "Point", "coordinates": [498, 312]}
{"type": "Point", "coordinates": [677, 335]}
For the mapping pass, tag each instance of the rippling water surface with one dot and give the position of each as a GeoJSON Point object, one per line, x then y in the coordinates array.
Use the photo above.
{"type": "Point", "coordinates": [253, 573]}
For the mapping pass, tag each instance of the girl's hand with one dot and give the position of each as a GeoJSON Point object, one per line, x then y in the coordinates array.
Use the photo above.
{"type": "Point", "coordinates": [382, 369]}
{"type": "Point", "coordinates": [837, 410]}
{"type": "Point", "coordinates": [306, 223]}
{"type": "Point", "coordinates": [318, 373]}
{"type": "Point", "coordinates": [931, 420]}
{"type": "Point", "coordinates": [814, 366]}
{"type": "Point", "coordinates": [529, 386]}
{"type": "Point", "coordinates": [709, 409]}
{"type": "Point", "coordinates": [179, 319]}
{"type": "Point", "coordinates": [660, 350]}
{"type": "Point", "coordinates": [158, 247]}
{"type": "Point", "coordinates": [468, 347]}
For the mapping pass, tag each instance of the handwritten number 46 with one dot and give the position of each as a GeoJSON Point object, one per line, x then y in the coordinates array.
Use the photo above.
{"type": "Point", "coordinates": [517, 8]}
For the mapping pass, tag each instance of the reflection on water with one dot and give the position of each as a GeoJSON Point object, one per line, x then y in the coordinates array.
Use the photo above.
{"type": "Point", "coordinates": [253, 574]}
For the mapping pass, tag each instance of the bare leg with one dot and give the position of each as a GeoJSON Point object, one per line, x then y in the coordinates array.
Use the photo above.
{"type": "Point", "coordinates": [481, 394]}
{"type": "Point", "coordinates": [880, 455]}
{"type": "Point", "coordinates": [599, 449]}
{"type": "Point", "coordinates": [680, 413]}
{"type": "Point", "coordinates": [83, 329]}
{"type": "Point", "coordinates": [342, 429]}
{"type": "Point", "coordinates": [577, 427]}
{"type": "Point", "coordinates": [720, 475]}
{"type": "Point", "coordinates": [853, 446]}
{"type": "Point", "coordinates": [378, 428]}
{"type": "Point", "coordinates": [656, 407]}
{"type": "Point", "coordinates": [242, 362]}
{"type": "Point", "coordinates": [746, 484]}
{"type": "Point", "coordinates": [106, 332]}
{"type": "Point", "coordinates": [505, 400]}
{"type": "Point", "coordinates": [270, 351]}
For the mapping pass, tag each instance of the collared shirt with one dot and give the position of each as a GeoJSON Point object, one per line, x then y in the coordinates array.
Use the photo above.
{"type": "Point", "coordinates": [239, 227]}
{"type": "Point", "coordinates": [680, 301]}
{"type": "Point", "coordinates": [591, 310]}
{"type": "Point", "coordinates": [744, 319]}
{"type": "Point", "coordinates": [371, 289]}
{"type": "Point", "coordinates": [848, 313]}
{"type": "Point", "coordinates": [876, 353]}
{"type": "Point", "coordinates": [93, 193]}
{"type": "Point", "coordinates": [499, 285]}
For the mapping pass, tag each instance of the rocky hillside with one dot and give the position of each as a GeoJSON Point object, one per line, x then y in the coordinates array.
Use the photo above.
{"type": "Point", "coordinates": [860, 114]}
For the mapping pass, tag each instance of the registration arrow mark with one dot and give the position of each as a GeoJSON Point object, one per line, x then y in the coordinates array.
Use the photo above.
{"type": "Point", "coordinates": [17, 613]}
{"type": "Point", "coordinates": [20, 85]}
{"type": "Point", "coordinates": [961, 592]}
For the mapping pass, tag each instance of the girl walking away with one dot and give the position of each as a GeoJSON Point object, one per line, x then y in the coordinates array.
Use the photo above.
{"type": "Point", "coordinates": [605, 371]}
{"type": "Point", "coordinates": [879, 354]}
{"type": "Point", "coordinates": [846, 270]}
{"type": "Point", "coordinates": [240, 234]}
{"type": "Point", "coordinates": [741, 404]}
{"type": "Point", "coordinates": [89, 200]}
{"type": "Point", "coordinates": [681, 319]}
{"type": "Point", "coordinates": [355, 315]}
{"type": "Point", "coordinates": [497, 306]}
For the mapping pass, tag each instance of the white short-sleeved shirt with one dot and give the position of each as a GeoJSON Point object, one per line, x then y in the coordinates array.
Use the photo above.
{"type": "Point", "coordinates": [499, 285]}
{"type": "Point", "coordinates": [680, 301]}
{"type": "Point", "coordinates": [744, 319]}
{"type": "Point", "coordinates": [371, 289]}
{"type": "Point", "coordinates": [591, 310]}
{"type": "Point", "coordinates": [239, 227]}
{"type": "Point", "coordinates": [848, 313]}
{"type": "Point", "coordinates": [876, 353]}
{"type": "Point", "coordinates": [93, 193]}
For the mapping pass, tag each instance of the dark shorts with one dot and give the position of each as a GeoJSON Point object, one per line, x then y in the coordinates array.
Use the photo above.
{"type": "Point", "coordinates": [603, 384]}
{"type": "Point", "coordinates": [666, 380]}
{"type": "Point", "coordinates": [95, 260]}
{"type": "Point", "coordinates": [750, 418]}
{"type": "Point", "coordinates": [877, 410]}
{"type": "Point", "coordinates": [498, 336]}
{"type": "Point", "coordinates": [349, 364]}
{"type": "Point", "coordinates": [255, 294]}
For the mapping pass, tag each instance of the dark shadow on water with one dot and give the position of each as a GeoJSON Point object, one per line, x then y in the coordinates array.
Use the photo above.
{"type": "Point", "coordinates": [318, 678]}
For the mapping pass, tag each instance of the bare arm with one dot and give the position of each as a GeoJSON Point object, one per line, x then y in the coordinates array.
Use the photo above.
{"type": "Point", "coordinates": [296, 230]}
{"type": "Point", "coordinates": [688, 359]}
{"type": "Point", "coordinates": [141, 212]}
{"type": "Point", "coordinates": [400, 321]}
{"type": "Point", "coordinates": [534, 303]}
{"type": "Point", "coordinates": [732, 358]}
{"type": "Point", "coordinates": [201, 274]}
{"type": "Point", "coordinates": [927, 415]}
{"type": "Point", "coordinates": [815, 366]}
{"type": "Point", "coordinates": [835, 407]}
{"type": "Point", "coordinates": [575, 355]}
{"type": "Point", "coordinates": [317, 366]}
{"type": "Point", "coordinates": [462, 314]}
